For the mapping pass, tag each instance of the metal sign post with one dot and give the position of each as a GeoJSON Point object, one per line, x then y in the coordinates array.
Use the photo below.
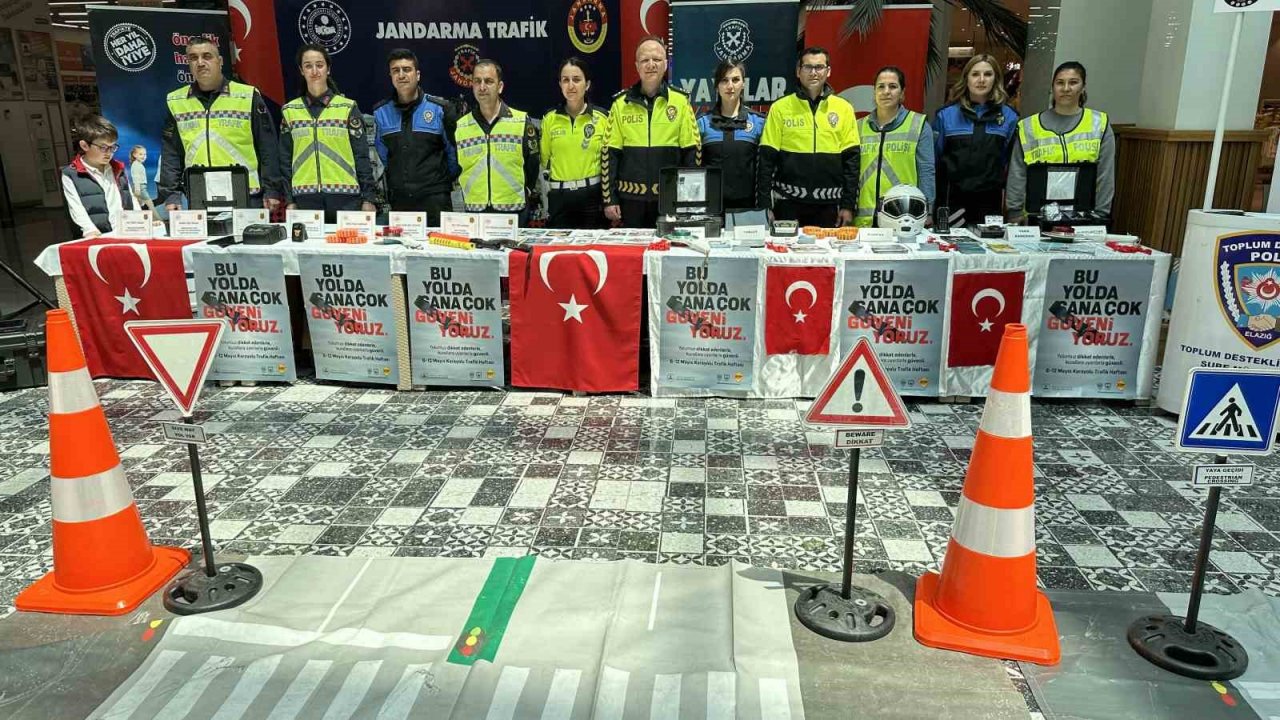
{"type": "Point", "coordinates": [860, 398]}
{"type": "Point", "coordinates": [180, 354]}
{"type": "Point", "coordinates": [1223, 411]}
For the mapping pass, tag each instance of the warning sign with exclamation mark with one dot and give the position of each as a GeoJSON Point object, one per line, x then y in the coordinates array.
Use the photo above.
{"type": "Point", "coordinates": [859, 395]}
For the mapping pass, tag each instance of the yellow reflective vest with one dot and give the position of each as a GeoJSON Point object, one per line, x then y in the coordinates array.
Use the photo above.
{"type": "Point", "coordinates": [802, 148]}
{"type": "Point", "coordinates": [221, 135]}
{"type": "Point", "coordinates": [644, 137]}
{"type": "Point", "coordinates": [571, 147]}
{"type": "Point", "coordinates": [492, 163]}
{"type": "Point", "coordinates": [887, 159]}
{"type": "Point", "coordinates": [323, 160]}
{"type": "Point", "coordinates": [1081, 145]}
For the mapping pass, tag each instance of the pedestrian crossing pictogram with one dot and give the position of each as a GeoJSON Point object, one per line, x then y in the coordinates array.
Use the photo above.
{"type": "Point", "coordinates": [1230, 418]}
{"type": "Point", "coordinates": [1229, 411]}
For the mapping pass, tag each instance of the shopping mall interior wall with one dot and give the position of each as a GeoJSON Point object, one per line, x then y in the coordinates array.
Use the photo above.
{"type": "Point", "coordinates": [1186, 58]}
{"type": "Point", "coordinates": [1107, 38]}
{"type": "Point", "coordinates": [17, 143]}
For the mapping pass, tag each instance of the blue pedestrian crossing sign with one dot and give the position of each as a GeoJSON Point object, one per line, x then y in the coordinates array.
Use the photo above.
{"type": "Point", "coordinates": [1229, 411]}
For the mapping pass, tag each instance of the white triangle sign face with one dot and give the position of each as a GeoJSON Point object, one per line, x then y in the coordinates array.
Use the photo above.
{"type": "Point", "coordinates": [1230, 419]}
{"type": "Point", "coordinates": [179, 353]}
{"type": "Point", "coordinates": [859, 395]}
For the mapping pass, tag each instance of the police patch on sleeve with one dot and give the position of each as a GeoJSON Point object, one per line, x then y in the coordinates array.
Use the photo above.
{"type": "Point", "coordinates": [357, 126]}
{"type": "Point", "coordinates": [428, 116]}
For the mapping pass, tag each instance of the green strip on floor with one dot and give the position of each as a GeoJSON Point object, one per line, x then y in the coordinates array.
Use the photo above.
{"type": "Point", "coordinates": [492, 610]}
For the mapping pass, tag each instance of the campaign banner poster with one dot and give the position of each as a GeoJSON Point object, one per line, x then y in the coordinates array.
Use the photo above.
{"type": "Point", "coordinates": [349, 312]}
{"type": "Point", "coordinates": [901, 39]}
{"type": "Point", "coordinates": [900, 307]}
{"type": "Point", "coordinates": [248, 290]}
{"type": "Point", "coordinates": [528, 38]}
{"type": "Point", "coordinates": [140, 56]}
{"type": "Point", "coordinates": [1091, 333]}
{"type": "Point", "coordinates": [455, 326]}
{"type": "Point", "coordinates": [708, 322]}
{"type": "Point", "coordinates": [760, 33]}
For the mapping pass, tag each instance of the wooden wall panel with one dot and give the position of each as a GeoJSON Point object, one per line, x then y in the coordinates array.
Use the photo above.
{"type": "Point", "coordinates": [1161, 175]}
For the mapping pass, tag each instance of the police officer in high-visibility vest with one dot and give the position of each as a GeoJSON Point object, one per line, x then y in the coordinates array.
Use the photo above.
{"type": "Point", "coordinates": [651, 126]}
{"type": "Point", "coordinates": [497, 148]}
{"type": "Point", "coordinates": [809, 150]}
{"type": "Point", "coordinates": [323, 143]}
{"type": "Point", "coordinates": [214, 122]}
{"type": "Point", "coordinates": [897, 147]}
{"type": "Point", "coordinates": [572, 137]}
{"type": "Point", "coordinates": [1067, 133]}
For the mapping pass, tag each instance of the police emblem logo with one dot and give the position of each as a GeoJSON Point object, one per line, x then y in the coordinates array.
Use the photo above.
{"type": "Point", "coordinates": [750, 126]}
{"type": "Point", "coordinates": [671, 112]}
{"type": "Point", "coordinates": [357, 126]}
{"type": "Point", "coordinates": [833, 119]}
{"type": "Point", "coordinates": [428, 116]}
{"type": "Point", "coordinates": [733, 41]}
{"type": "Point", "coordinates": [1248, 286]}
{"type": "Point", "coordinates": [588, 24]}
{"type": "Point", "coordinates": [465, 57]}
{"type": "Point", "coordinates": [589, 130]}
{"type": "Point", "coordinates": [326, 24]}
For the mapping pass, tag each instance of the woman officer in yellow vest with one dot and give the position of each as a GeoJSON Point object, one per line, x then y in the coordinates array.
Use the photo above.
{"type": "Point", "coordinates": [570, 152]}
{"type": "Point", "coordinates": [323, 146]}
{"type": "Point", "coordinates": [1066, 133]}
{"type": "Point", "coordinates": [897, 147]}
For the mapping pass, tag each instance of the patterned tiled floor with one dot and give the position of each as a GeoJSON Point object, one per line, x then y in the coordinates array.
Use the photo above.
{"type": "Point", "coordinates": [316, 469]}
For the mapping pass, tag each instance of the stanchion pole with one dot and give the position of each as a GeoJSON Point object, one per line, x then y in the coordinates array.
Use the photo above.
{"type": "Point", "coordinates": [1216, 156]}
{"type": "Point", "coordinates": [851, 509]}
{"type": "Point", "coordinates": [201, 511]}
{"type": "Point", "coordinates": [1202, 556]}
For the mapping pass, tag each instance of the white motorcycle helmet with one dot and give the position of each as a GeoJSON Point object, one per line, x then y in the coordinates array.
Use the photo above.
{"type": "Point", "coordinates": [903, 208]}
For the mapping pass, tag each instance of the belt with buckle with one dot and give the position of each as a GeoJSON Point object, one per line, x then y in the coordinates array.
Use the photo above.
{"type": "Point", "coordinates": [573, 184]}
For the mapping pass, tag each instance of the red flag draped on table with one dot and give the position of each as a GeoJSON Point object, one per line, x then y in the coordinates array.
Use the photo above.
{"type": "Point", "coordinates": [982, 303]}
{"type": "Point", "coordinates": [797, 314]}
{"type": "Point", "coordinates": [575, 318]}
{"type": "Point", "coordinates": [111, 281]}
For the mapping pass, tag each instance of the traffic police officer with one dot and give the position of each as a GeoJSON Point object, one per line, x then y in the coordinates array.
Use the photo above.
{"type": "Point", "coordinates": [809, 150]}
{"type": "Point", "coordinates": [322, 138]}
{"type": "Point", "coordinates": [730, 134]}
{"type": "Point", "coordinates": [572, 136]}
{"type": "Point", "coordinates": [415, 141]}
{"type": "Point", "coordinates": [1068, 133]}
{"type": "Point", "coordinates": [896, 147]}
{"type": "Point", "coordinates": [215, 122]}
{"type": "Point", "coordinates": [651, 126]}
{"type": "Point", "coordinates": [498, 149]}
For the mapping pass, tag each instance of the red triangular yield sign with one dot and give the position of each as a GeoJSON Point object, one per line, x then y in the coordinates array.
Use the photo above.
{"type": "Point", "coordinates": [859, 395]}
{"type": "Point", "coordinates": [179, 353]}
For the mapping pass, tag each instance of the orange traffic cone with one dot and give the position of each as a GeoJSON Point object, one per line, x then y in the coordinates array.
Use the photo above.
{"type": "Point", "coordinates": [986, 601]}
{"type": "Point", "coordinates": [103, 563]}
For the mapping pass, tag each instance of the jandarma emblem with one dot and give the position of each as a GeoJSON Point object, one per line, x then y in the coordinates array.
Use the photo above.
{"type": "Point", "coordinates": [326, 24]}
{"type": "Point", "coordinates": [733, 41]}
{"type": "Point", "coordinates": [588, 24]}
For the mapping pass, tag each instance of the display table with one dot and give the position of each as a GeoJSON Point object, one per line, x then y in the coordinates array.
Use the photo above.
{"type": "Point", "coordinates": [1093, 314]}
{"type": "Point", "coordinates": [1227, 304]}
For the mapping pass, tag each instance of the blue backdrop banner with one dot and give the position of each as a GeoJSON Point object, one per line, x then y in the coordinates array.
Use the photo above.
{"type": "Point", "coordinates": [528, 38]}
{"type": "Point", "coordinates": [760, 33]}
{"type": "Point", "coordinates": [140, 56]}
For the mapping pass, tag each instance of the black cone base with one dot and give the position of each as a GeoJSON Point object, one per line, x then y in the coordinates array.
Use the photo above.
{"type": "Point", "coordinates": [196, 592]}
{"type": "Point", "coordinates": [863, 617]}
{"type": "Point", "coordinates": [1206, 654]}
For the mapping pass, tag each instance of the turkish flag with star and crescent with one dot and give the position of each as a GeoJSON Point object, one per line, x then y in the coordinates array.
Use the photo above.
{"type": "Point", "coordinates": [982, 303]}
{"type": "Point", "coordinates": [111, 281]}
{"type": "Point", "coordinates": [797, 309]}
{"type": "Point", "coordinates": [256, 49]}
{"type": "Point", "coordinates": [575, 318]}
